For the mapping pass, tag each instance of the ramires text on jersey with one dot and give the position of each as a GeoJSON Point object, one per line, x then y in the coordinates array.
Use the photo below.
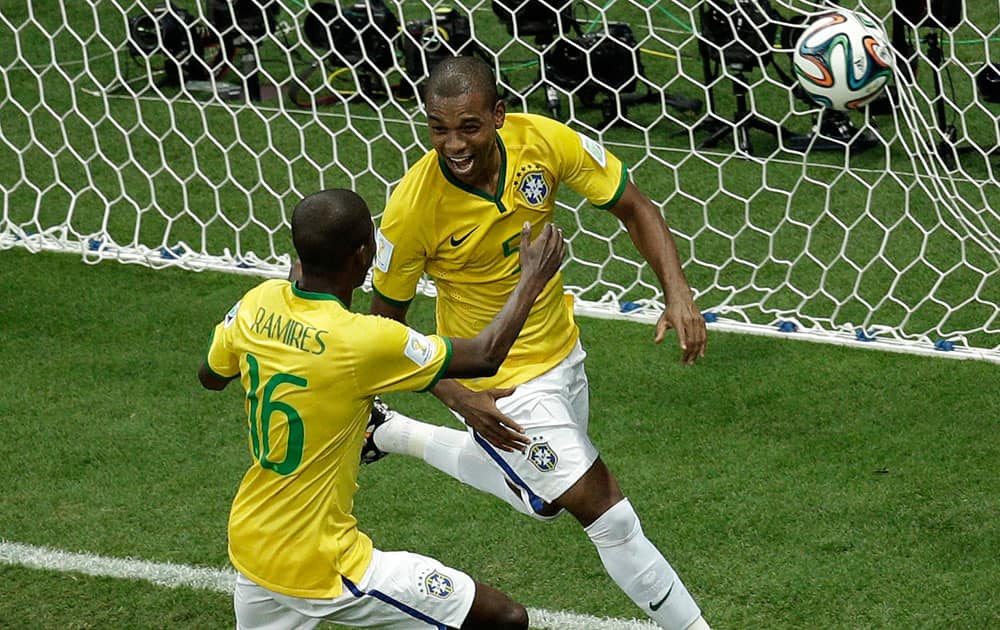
{"type": "Point", "coordinates": [289, 331]}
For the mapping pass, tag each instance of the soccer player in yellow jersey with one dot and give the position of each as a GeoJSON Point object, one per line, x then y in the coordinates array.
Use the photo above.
{"type": "Point", "coordinates": [310, 368]}
{"type": "Point", "coordinates": [455, 215]}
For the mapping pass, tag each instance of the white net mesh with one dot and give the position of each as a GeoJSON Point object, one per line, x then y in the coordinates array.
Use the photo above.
{"type": "Point", "coordinates": [183, 134]}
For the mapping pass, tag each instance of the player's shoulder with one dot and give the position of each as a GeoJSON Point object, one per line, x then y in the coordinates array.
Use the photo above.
{"type": "Point", "coordinates": [257, 297]}
{"type": "Point", "coordinates": [264, 290]}
{"type": "Point", "coordinates": [533, 124]}
{"type": "Point", "coordinates": [540, 135]}
{"type": "Point", "coordinates": [417, 193]}
{"type": "Point", "coordinates": [375, 329]}
{"type": "Point", "coordinates": [424, 170]}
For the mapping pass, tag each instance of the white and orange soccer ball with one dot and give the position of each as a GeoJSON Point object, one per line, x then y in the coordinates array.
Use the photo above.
{"type": "Point", "coordinates": [842, 59]}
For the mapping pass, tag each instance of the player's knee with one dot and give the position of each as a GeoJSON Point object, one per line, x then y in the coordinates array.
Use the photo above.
{"type": "Point", "coordinates": [513, 617]}
{"type": "Point", "coordinates": [616, 526]}
{"type": "Point", "coordinates": [547, 513]}
{"type": "Point", "coordinates": [510, 616]}
{"type": "Point", "coordinates": [493, 609]}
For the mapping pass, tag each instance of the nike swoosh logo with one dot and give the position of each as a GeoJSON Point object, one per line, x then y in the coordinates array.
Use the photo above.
{"type": "Point", "coordinates": [656, 606]}
{"type": "Point", "coordinates": [455, 242]}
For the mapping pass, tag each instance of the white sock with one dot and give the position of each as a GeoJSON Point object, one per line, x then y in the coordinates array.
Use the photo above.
{"type": "Point", "coordinates": [451, 451]}
{"type": "Point", "coordinates": [640, 570]}
{"type": "Point", "coordinates": [403, 435]}
{"type": "Point", "coordinates": [699, 624]}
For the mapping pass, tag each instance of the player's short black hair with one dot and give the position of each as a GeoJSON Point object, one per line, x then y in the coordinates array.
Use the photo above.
{"type": "Point", "coordinates": [329, 226]}
{"type": "Point", "coordinates": [458, 76]}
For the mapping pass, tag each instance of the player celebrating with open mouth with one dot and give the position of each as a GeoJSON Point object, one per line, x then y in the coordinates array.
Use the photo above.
{"type": "Point", "coordinates": [456, 215]}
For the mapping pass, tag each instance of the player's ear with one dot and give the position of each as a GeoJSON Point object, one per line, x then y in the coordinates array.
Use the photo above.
{"type": "Point", "coordinates": [499, 113]}
{"type": "Point", "coordinates": [362, 259]}
{"type": "Point", "coordinates": [359, 263]}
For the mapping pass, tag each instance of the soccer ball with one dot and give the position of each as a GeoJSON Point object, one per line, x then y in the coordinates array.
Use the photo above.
{"type": "Point", "coordinates": [842, 60]}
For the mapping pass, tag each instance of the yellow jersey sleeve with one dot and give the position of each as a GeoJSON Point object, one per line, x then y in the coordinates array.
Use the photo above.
{"type": "Point", "coordinates": [583, 163]}
{"type": "Point", "coordinates": [402, 242]}
{"type": "Point", "coordinates": [402, 359]}
{"type": "Point", "coordinates": [221, 358]}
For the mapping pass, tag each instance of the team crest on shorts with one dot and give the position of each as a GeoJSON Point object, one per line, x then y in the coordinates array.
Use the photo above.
{"type": "Point", "coordinates": [542, 456]}
{"type": "Point", "coordinates": [439, 585]}
{"type": "Point", "coordinates": [534, 187]}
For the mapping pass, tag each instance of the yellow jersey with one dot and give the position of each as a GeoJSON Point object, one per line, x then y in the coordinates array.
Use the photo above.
{"type": "Point", "coordinates": [467, 240]}
{"type": "Point", "coordinates": [310, 368]}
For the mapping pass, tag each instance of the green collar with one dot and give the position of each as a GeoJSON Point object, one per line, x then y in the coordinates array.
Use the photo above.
{"type": "Point", "coordinates": [311, 295]}
{"type": "Point", "coordinates": [501, 181]}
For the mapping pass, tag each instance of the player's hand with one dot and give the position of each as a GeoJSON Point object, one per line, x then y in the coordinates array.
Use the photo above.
{"type": "Point", "coordinates": [540, 259]}
{"type": "Point", "coordinates": [481, 413]}
{"type": "Point", "coordinates": [684, 317]}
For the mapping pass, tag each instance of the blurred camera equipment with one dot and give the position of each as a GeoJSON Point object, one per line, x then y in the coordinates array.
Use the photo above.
{"type": "Point", "coordinates": [739, 38]}
{"type": "Point", "coordinates": [250, 20]}
{"type": "Point", "coordinates": [602, 68]}
{"type": "Point", "coordinates": [359, 37]}
{"type": "Point", "coordinates": [425, 43]}
{"type": "Point", "coordinates": [540, 19]}
{"type": "Point", "coordinates": [988, 83]}
{"type": "Point", "coordinates": [169, 30]}
{"type": "Point", "coordinates": [240, 24]}
{"type": "Point", "coordinates": [936, 16]}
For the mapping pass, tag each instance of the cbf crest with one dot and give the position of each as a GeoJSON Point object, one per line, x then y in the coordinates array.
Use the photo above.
{"type": "Point", "coordinates": [534, 188]}
{"type": "Point", "coordinates": [439, 585]}
{"type": "Point", "coordinates": [542, 456]}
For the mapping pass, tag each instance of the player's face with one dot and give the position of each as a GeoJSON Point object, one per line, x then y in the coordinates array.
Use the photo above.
{"type": "Point", "coordinates": [463, 131]}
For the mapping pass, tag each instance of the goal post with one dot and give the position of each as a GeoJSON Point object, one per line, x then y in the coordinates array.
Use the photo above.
{"type": "Point", "coordinates": [182, 134]}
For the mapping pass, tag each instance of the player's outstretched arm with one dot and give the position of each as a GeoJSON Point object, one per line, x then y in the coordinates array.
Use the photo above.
{"type": "Point", "coordinates": [651, 235]}
{"type": "Point", "coordinates": [479, 409]}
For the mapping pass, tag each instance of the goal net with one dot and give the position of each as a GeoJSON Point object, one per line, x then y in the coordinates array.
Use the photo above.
{"type": "Point", "coordinates": [183, 133]}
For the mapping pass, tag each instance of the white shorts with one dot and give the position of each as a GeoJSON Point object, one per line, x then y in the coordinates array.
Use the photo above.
{"type": "Point", "coordinates": [553, 409]}
{"type": "Point", "coordinates": [400, 590]}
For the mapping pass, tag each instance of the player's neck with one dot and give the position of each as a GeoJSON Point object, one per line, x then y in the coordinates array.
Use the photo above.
{"type": "Point", "coordinates": [335, 286]}
{"type": "Point", "coordinates": [490, 180]}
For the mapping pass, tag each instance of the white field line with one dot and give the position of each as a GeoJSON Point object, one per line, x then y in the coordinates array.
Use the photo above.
{"type": "Point", "coordinates": [221, 580]}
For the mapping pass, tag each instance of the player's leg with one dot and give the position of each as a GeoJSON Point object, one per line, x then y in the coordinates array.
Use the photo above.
{"type": "Point", "coordinates": [492, 608]}
{"type": "Point", "coordinates": [573, 477]}
{"type": "Point", "coordinates": [407, 590]}
{"type": "Point", "coordinates": [451, 451]}
{"type": "Point", "coordinates": [471, 459]}
{"type": "Point", "coordinates": [630, 559]}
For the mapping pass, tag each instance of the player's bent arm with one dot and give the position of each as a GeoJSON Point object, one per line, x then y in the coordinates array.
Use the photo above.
{"type": "Point", "coordinates": [651, 235]}
{"type": "Point", "coordinates": [483, 354]}
{"type": "Point", "coordinates": [211, 380]}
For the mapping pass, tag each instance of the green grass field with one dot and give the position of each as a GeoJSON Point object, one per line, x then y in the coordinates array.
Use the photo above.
{"type": "Point", "coordinates": [792, 485]}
